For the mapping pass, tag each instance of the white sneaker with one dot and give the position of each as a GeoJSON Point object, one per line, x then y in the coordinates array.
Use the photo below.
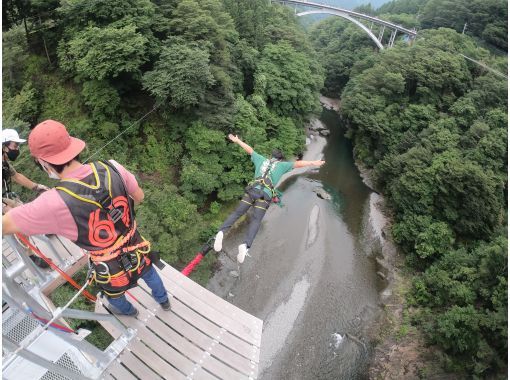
{"type": "Point", "coordinates": [218, 241]}
{"type": "Point", "coordinates": [243, 251]}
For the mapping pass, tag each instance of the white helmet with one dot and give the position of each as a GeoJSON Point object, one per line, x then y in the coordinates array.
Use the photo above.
{"type": "Point", "coordinates": [11, 135]}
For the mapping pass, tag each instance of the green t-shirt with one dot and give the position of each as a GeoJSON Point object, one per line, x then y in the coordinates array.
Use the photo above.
{"type": "Point", "coordinates": [275, 173]}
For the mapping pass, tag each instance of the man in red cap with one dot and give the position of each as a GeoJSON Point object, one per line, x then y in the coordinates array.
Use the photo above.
{"type": "Point", "coordinates": [93, 206]}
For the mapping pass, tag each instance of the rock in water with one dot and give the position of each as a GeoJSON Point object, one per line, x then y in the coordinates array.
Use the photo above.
{"type": "Point", "coordinates": [233, 273]}
{"type": "Point", "coordinates": [324, 132]}
{"type": "Point", "coordinates": [317, 125]}
{"type": "Point", "coordinates": [337, 340]}
{"type": "Point", "coordinates": [321, 193]}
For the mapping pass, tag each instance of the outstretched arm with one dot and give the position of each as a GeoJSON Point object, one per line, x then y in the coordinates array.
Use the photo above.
{"type": "Point", "coordinates": [20, 179]}
{"type": "Point", "coordinates": [302, 164]}
{"type": "Point", "coordinates": [248, 149]}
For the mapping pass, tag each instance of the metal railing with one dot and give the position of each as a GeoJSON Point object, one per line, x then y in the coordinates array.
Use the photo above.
{"type": "Point", "coordinates": [23, 295]}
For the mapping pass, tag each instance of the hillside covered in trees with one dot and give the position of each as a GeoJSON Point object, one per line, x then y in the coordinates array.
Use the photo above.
{"type": "Point", "coordinates": [431, 124]}
{"type": "Point", "coordinates": [207, 68]}
{"type": "Point", "coordinates": [433, 127]}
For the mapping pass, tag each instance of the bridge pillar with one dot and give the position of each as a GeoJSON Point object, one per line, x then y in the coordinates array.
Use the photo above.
{"type": "Point", "coordinates": [392, 38]}
{"type": "Point", "coordinates": [381, 33]}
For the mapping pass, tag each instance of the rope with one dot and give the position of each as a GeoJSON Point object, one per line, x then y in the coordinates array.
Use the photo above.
{"type": "Point", "coordinates": [154, 108]}
{"type": "Point", "coordinates": [53, 266]}
{"type": "Point", "coordinates": [198, 258]}
{"type": "Point", "coordinates": [57, 315]}
{"type": "Point", "coordinates": [485, 66]}
{"type": "Point", "coordinates": [55, 325]}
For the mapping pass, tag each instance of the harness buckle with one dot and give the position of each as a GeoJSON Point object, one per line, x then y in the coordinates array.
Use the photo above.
{"type": "Point", "coordinates": [115, 214]}
{"type": "Point", "coordinates": [125, 262]}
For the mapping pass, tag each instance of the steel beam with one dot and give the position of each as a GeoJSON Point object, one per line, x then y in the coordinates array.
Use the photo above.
{"type": "Point", "coordinates": [381, 34]}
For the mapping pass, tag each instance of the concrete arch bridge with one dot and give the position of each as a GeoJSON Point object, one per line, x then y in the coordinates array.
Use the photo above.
{"type": "Point", "coordinates": [371, 25]}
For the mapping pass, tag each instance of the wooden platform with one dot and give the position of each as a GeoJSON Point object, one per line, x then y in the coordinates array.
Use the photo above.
{"type": "Point", "coordinates": [201, 337]}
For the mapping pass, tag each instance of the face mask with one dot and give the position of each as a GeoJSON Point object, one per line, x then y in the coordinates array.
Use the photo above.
{"type": "Point", "coordinates": [12, 154]}
{"type": "Point", "coordinates": [48, 171]}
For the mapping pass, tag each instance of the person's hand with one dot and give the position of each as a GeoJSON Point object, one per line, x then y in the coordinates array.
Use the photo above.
{"type": "Point", "coordinates": [319, 163]}
{"type": "Point", "coordinates": [9, 204]}
{"type": "Point", "coordinates": [5, 208]}
{"type": "Point", "coordinates": [40, 188]}
{"type": "Point", "coordinates": [233, 138]}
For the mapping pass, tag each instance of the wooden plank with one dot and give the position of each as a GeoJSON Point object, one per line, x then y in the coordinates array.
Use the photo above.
{"type": "Point", "coordinates": [119, 371]}
{"type": "Point", "coordinates": [197, 355]}
{"type": "Point", "coordinates": [112, 330]}
{"type": "Point", "coordinates": [155, 362]}
{"type": "Point", "coordinates": [205, 295]}
{"type": "Point", "coordinates": [181, 344]}
{"type": "Point", "coordinates": [236, 344]}
{"type": "Point", "coordinates": [137, 366]}
{"type": "Point", "coordinates": [202, 374]}
{"type": "Point", "coordinates": [172, 349]}
{"type": "Point", "coordinates": [48, 249]}
{"type": "Point", "coordinates": [251, 334]}
{"type": "Point", "coordinates": [223, 355]}
{"type": "Point", "coordinates": [247, 321]}
{"type": "Point", "coordinates": [66, 247]}
{"type": "Point", "coordinates": [58, 281]}
{"type": "Point", "coordinates": [158, 345]}
{"type": "Point", "coordinates": [220, 351]}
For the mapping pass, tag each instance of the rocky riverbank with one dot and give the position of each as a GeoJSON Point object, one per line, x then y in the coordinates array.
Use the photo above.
{"type": "Point", "coordinates": [400, 350]}
{"type": "Point", "coordinates": [330, 103]}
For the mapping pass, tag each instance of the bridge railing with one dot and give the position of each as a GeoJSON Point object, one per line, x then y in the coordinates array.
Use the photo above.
{"type": "Point", "coordinates": [410, 32]}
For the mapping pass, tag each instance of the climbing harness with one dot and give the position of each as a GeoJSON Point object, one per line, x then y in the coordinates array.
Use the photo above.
{"type": "Point", "coordinates": [119, 255]}
{"type": "Point", "coordinates": [264, 181]}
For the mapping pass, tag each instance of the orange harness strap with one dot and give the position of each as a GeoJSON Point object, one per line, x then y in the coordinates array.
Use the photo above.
{"type": "Point", "coordinates": [116, 249]}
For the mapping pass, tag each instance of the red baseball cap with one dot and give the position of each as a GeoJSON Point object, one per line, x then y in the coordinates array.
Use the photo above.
{"type": "Point", "coordinates": [51, 142]}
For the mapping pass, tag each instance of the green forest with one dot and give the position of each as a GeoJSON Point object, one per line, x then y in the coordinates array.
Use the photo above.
{"type": "Point", "coordinates": [430, 124]}
{"type": "Point", "coordinates": [433, 127]}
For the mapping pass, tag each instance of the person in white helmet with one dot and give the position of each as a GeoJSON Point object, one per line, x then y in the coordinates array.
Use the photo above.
{"type": "Point", "coordinates": [10, 152]}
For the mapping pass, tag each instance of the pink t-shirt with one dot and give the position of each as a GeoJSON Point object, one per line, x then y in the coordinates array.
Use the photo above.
{"type": "Point", "coordinates": [48, 213]}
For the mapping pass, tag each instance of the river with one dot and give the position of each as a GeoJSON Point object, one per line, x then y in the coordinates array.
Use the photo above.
{"type": "Point", "coordinates": [312, 275]}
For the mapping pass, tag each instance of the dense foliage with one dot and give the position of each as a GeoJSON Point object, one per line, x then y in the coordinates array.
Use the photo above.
{"type": "Point", "coordinates": [206, 68]}
{"type": "Point", "coordinates": [209, 67]}
{"type": "Point", "coordinates": [433, 126]}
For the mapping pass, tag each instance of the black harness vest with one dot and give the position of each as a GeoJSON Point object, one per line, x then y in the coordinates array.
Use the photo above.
{"type": "Point", "coordinates": [91, 202]}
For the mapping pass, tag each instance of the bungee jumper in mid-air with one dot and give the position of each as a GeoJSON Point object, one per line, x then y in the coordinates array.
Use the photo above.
{"type": "Point", "coordinates": [93, 206]}
{"type": "Point", "coordinates": [259, 193]}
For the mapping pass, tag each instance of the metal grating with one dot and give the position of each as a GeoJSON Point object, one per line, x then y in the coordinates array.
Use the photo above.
{"type": "Point", "coordinates": [66, 362]}
{"type": "Point", "coordinates": [18, 326]}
